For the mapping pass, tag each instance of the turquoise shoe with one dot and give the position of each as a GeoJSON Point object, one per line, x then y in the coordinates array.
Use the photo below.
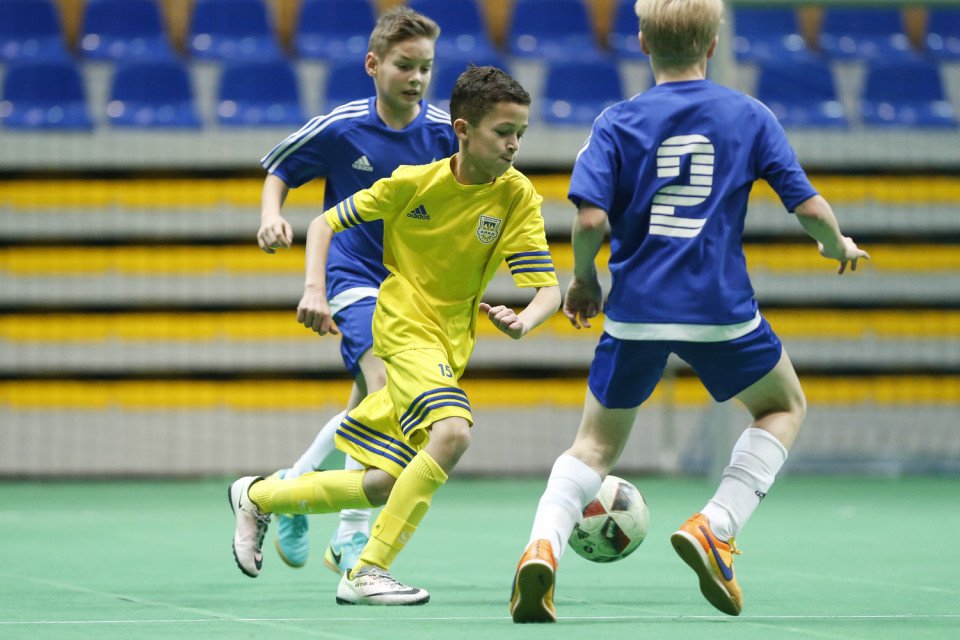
{"type": "Point", "coordinates": [343, 555]}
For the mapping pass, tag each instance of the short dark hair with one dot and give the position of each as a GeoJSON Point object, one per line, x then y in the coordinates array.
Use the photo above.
{"type": "Point", "coordinates": [399, 25]}
{"type": "Point", "coordinates": [478, 89]}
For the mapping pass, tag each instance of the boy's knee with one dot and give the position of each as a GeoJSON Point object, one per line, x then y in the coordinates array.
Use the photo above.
{"type": "Point", "coordinates": [377, 485]}
{"type": "Point", "coordinates": [453, 433]}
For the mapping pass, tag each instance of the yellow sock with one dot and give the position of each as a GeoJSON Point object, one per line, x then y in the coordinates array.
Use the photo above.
{"type": "Point", "coordinates": [405, 508]}
{"type": "Point", "coordinates": [317, 492]}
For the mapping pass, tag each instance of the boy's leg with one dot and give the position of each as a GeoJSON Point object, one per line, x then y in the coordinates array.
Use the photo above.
{"type": "Point", "coordinates": [623, 374]}
{"type": "Point", "coordinates": [432, 422]}
{"type": "Point", "coordinates": [574, 481]}
{"type": "Point", "coordinates": [254, 499]}
{"type": "Point", "coordinates": [706, 541]}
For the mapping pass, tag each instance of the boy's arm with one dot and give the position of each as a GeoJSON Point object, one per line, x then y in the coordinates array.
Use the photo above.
{"type": "Point", "coordinates": [516, 325]}
{"type": "Point", "coordinates": [313, 311]}
{"type": "Point", "coordinates": [817, 219]}
{"type": "Point", "coordinates": [275, 232]}
{"type": "Point", "coordinates": [584, 296]}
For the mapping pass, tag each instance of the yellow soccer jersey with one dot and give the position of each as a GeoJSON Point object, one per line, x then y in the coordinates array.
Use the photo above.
{"type": "Point", "coordinates": [443, 242]}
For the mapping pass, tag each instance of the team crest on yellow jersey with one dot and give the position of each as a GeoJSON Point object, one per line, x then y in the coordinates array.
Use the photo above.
{"type": "Point", "coordinates": [489, 229]}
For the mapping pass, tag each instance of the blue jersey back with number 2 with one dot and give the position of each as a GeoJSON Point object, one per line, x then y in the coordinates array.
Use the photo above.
{"type": "Point", "coordinates": [673, 168]}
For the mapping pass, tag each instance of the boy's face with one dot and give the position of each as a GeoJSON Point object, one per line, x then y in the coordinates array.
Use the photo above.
{"type": "Point", "coordinates": [402, 75]}
{"type": "Point", "coordinates": [492, 144]}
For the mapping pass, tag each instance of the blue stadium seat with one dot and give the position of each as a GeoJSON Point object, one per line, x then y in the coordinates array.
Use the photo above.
{"type": "Point", "coordinates": [334, 29]}
{"type": "Point", "coordinates": [622, 40]}
{"type": "Point", "coordinates": [864, 34]}
{"type": "Point", "coordinates": [152, 94]}
{"type": "Point", "coordinates": [905, 93]}
{"type": "Point", "coordinates": [231, 29]}
{"type": "Point", "coordinates": [43, 94]}
{"type": "Point", "coordinates": [801, 93]}
{"type": "Point", "coordinates": [259, 94]}
{"type": "Point", "coordinates": [762, 34]}
{"type": "Point", "coordinates": [115, 29]}
{"type": "Point", "coordinates": [551, 30]}
{"type": "Point", "coordinates": [943, 33]}
{"type": "Point", "coordinates": [30, 29]}
{"type": "Point", "coordinates": [446, 72]}
{"type": "Point", "coordinates": [346, 81]}
{"type": "Point", "coordinates": [576, 92]}
{"type": "Point", "coordinates": [462, 32]}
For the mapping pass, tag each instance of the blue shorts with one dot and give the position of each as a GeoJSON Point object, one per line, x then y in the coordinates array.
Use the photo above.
{"type": "Point", "coordinates": [355, 322]}
{"type": "Point", "coordinates": [625, 372]}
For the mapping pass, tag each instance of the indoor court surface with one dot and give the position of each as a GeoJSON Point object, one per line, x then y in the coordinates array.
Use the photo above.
{"type": "Point", "coordinates": [824, 558]}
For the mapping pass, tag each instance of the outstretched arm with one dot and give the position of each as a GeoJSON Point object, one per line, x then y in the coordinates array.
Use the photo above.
{"type": "Point", "coordinates": [516, 325]}
{"type": "Point", "coordinates": [584, 297]}
{"type": "Point", "coordinates": [313, 312]}
{"type": "Point", "coordinates": [817, 219]}
{"type": "Point", "coordinates": [275, 232]}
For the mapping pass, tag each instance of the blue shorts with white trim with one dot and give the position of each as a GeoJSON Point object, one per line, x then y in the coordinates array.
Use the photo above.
{"type": "Point", "coordinates": [625, 372]}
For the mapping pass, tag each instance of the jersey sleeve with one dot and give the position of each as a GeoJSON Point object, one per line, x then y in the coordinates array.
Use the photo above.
{"type": "Point", "coordinates": [594, 172]}
{"type": "Point", "coordinates": [525, 246]}
{"type": "Point", "coordinates": [777, 163]}
{"type": "Point", "coordinates": [301, 156]}
{"type": "Point", "coordinates": [365, 205]}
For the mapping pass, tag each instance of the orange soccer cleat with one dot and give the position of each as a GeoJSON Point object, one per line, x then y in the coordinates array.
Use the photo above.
{"type": "Point", "coordinates": [531, 599]}
{"type": "Point", "coordinates": [712, 560]}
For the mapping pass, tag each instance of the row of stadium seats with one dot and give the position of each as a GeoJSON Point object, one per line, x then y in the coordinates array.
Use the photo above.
{"type": "Point", "coordinates": [159, 93]}
{"type": "Point", "coordinates": [335, 29]}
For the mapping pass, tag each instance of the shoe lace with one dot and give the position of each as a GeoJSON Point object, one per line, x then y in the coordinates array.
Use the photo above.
{"type": "Point", "coordinates": [263, 521]}
{"type": "Point", "coordinates": [299, 526]}
{"type": "Point", "coordinates": [380, 574]}
{"type": "Point", "coordinates": [733, 547]}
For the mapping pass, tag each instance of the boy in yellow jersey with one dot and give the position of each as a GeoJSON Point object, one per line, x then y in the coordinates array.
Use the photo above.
{"type": "Point", "coordinates": [447, 227]}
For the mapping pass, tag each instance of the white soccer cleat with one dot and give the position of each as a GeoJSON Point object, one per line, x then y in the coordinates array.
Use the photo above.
{"type": "Point", "coordinates": [375, 586]}
{"type": "Point", "coordinates": [251, 527]}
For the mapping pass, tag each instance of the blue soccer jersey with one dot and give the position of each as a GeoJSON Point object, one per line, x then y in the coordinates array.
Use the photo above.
{"type": "Point", "coordinates": [353, 148]}
{"type": "Point", "coordinates": [673, 168]}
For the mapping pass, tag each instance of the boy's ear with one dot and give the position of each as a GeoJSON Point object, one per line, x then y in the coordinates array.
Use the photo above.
{"type": "Point", "coordinates": [643, 44]}
{"type": "Point", "coordinates": [713, 47]}
{"type": "Point", "coordinates": [460, 128]}
{"type": "Point", "coordinates": [370, 63]}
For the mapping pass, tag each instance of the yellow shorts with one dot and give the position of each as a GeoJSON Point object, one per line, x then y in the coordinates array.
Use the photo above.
{"type": "Point", "coordinates": [390, 426]}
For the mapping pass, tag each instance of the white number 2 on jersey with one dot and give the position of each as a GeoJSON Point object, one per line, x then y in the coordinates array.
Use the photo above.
{"type": "Point", "coordinates": [663, 222]}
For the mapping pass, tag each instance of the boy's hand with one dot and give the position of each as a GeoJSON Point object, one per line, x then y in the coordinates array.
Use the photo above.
{"type": "Point", "coordinates": [505, 319]}
{"type": "Point", "coordinates": [275, 233]}
{"type": "Point", "coordinates": [845, 252]}
{"type": "Point", "coordinates": [582, 302]}
{"type": "Point", "coordinates": [313, 312]}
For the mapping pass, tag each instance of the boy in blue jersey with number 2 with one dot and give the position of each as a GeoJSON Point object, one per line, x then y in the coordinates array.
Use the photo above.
{"type": "Point", "coordinates": [353, 146]}
{"type": "Point", "coordinates": [671, 170]}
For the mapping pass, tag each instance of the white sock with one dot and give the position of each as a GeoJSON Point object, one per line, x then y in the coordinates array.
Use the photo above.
{"type": "Point", "coordinates": [322, 446]}
{"type": "Point", "coordinates": [756, 459]}
{"type": "Point", "coordinates": [571, 486]}
{"type": "Point", "coordinates": [353, 520]}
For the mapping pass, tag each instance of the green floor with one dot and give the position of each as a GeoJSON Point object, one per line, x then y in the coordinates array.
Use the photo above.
{"type": "Point", "coordinates": [823, 558]}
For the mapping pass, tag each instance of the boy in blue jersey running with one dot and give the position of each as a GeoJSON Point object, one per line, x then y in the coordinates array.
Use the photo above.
{"type": "Point", "coordinates": [671, 171]}
{"type": "Point", "coordinates": [448, 227]}
{"type": "Point", "coordinates": [353, 146]}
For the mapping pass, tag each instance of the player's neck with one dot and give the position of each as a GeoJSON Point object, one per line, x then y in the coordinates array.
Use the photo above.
{"type": "Point", "coordinates": [664, 74]}
{"type": "Point", "coordinates": [466, 172]}
{"type": "Point", "coordinates": [397, 119]}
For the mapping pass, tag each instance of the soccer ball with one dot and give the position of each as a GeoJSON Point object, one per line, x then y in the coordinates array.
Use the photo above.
{"type": "Point", "coordinates": [614, 523]}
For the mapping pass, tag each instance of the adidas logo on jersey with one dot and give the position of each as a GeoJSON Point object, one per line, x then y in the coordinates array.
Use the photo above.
{"type": "Point", "coordinates": [419, 214]}
{"type": "Point", "coordinates": [362, 164]}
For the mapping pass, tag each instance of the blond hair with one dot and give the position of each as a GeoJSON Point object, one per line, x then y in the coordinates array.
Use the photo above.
{"type": "Point", "coordinates": [399, 25]}
{"type": "Point", "coordinates": [679, 32]}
